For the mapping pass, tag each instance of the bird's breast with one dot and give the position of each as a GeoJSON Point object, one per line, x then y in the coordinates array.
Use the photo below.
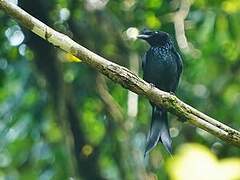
{"type": "Point", "coordinates": [160, 68]}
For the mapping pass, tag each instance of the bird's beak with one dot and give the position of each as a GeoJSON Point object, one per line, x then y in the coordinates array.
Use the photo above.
{"type": "Point", "coordinates": [143, 36]}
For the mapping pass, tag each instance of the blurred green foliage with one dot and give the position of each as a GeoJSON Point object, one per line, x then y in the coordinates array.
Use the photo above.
{"type": "Point", "coordinates": [54, 122]}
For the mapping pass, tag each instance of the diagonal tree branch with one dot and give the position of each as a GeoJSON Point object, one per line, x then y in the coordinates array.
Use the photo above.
{"type": "Point", "coordinates": [123, 76]}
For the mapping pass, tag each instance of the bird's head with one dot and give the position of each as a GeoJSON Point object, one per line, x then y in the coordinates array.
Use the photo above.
{"type": "Point", "coordinates": [155, 38]}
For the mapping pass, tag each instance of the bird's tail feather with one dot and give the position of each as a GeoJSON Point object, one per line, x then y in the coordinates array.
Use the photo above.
{"type": "Point", "coordinates": [159, 131]}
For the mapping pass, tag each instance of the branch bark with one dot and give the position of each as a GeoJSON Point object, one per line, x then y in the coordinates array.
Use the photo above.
{"type": "Point", "coordinates": [123, 76]}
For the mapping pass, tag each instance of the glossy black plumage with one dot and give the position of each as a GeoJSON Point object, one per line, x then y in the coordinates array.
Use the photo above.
{"type": "Point", "coordinates": [162, 67]}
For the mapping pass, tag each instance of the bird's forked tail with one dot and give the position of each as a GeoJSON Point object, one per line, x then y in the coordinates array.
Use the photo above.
{"type": "Point", "coordinates": [159, 131]}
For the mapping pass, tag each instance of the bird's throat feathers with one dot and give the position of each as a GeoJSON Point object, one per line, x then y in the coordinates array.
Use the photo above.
{"type": "Point", "coordinates": [163, 44]}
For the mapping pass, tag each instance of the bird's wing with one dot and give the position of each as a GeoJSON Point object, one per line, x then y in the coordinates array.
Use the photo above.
{"type": "Point", "coordinates": [179, 63]}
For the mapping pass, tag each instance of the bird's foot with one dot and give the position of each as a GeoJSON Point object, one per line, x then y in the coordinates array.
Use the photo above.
{"type": "Point", "coordinates": [152, 85]}
{"type": "Point", "coordinates": [172, 93]}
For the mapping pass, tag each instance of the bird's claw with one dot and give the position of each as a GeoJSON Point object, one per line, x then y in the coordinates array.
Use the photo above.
{"type": "Point", "coordinates": [152, 85]}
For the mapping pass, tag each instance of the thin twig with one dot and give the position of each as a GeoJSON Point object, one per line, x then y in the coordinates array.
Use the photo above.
{"type": "Point", "coordinates": [112, 106]}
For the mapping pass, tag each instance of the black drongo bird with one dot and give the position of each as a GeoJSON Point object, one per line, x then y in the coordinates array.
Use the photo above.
{"type": "Point", "coordinates": [162, 67]}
